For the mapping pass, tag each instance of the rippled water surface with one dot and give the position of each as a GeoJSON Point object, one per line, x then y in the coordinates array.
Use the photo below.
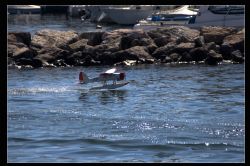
{"type": "Point", "coordinates": [167, 113]}
{"type": "Point", "coordinates": [35, 22]}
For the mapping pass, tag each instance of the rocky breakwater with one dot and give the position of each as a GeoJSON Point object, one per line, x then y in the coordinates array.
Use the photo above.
{"type": "Point", "coordinates": [173, 44]}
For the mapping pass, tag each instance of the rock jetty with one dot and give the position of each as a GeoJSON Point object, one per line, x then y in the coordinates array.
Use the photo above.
{"type": "Point", "coordinates": [173, 44]}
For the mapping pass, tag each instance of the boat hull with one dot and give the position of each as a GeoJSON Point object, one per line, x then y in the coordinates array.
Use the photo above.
{"type": "Point", "coordinates": [127, 16]}
{"type": "Point", "coordinates": [110, 86]}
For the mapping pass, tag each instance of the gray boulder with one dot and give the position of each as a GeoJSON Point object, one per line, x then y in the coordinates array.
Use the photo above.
{"type": "Point", "coordinates": [185, 57]}
{"type": "Point", "coordinates": [23, 52]}
{"type": "Point", "coordinates": [237, 56]}
{"type": "Point", "coordinates": [79, 45]}
{"type": "Point", "coordinates": [236, 41]}
{"type": "Point", "coordinates": [198, 54]}
{"type": "Point", "coordinates": [175, 57]}
{"type": "Point", "coordinates": [213, 58]}
{"type": "Point", "coordinates": [19, 37]}
{"type": "Point", "coordinates": [135, 38]}
{"type": "Point", "coordinates": [163, 40]}
{"type": "Point", "coordinates": [162, 52]}
{"type": "Point", "coordinates": [181, 33]}
{"type": "Point", "coordinates": [216, 34]}
{"type": "Point", "coordinates": [151, 48]}
{"type": "Point", "coordinates": [183, 47]}
{"type": "Point", "coordinates": [52, 38]}
{"type": "Point", "coordinates": [24, 61]}
{"type": "Point", "coordinates": [225, 50]}
{"type": "Point", "coordinates": [94, 38]}
{"type": "Point", "coordinates": [199, 41]}
{"type": "Point", "coordinates": [137, 53]}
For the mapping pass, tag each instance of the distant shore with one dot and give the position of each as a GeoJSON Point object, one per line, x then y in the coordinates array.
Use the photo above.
{"type": "Point", "coordinates": [174, 44]}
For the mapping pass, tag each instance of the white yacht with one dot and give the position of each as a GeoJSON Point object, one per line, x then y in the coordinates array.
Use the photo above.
{"type": "Point", "coordinates": [180, 15]}
{"type": "Point", "coordinates": [220, 15]}
{"type": "Point", "coordinates": [129, 15]}
{"type": "Point", "coordinates": [96, 13]}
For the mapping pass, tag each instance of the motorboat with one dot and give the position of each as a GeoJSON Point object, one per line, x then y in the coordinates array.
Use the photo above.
{"type": "Point", "coordinates": [205, 16]}
{"type": "Point", "coordinates": [178, 16]}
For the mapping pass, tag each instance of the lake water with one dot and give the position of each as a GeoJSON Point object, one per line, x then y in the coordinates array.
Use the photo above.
{"type": "Point", "coordinates": [167, 113]}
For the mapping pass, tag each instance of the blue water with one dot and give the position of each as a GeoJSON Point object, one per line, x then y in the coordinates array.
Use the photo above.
{"type": "Point", "coordinates": [167, 113]}
{"type": "Point", "coordinates": [35, 22]}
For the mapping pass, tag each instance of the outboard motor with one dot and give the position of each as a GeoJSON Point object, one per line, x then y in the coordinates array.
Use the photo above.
{"type": "Point", "coordinates": [122, 76]}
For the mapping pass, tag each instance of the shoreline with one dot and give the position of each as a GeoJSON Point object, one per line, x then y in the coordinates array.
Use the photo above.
{"type": "Point", "coordinates": [173, 44]}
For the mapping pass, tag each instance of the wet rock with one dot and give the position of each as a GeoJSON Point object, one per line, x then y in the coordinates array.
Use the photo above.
{"type": "Point", "coordinates": [213, 58]}
{"type": "Point", "coordinates": [94, 38]}
{"type": "Point", "coordinates": [162, 41]}
{"type": "Point", "coordinates": [182, 39]}
{"type": "Point", "coordinates": [60, 63]}
{"type": "Point", "coordinates": [182, 47]}
{"type": "Point", "coordinates": [177, 32]}
{"type": "Point", "coordinates": [28, 66]}
{"type": "Point", "coordinates": [23, 52]}
{"type": "Point", "coordinates": [19, 50]}
{"type": "Point", "coordinates": [199, 41]}
{"type": "Point", "coordinates": [79, 45]}
{"type": "Point", "coordinates": [137, 53]}
{"type": "Point", "coordinates": [174, 57]}
{"type": "Point", "coordinates": [162, 52]}
{"type": "Point", "coordinates": [237, 56]}
{"type": "Point", "coordinates": [46, 64]}
{"type": "Point", "coordinates": [74, 58]}
{"type": "Point", "coordinates": [210, 46]}
{"type": "Point", "coordinates": [142, 42]}
{"type": "Point", "coordinates": [225, 50]}
{"type": "Point", "coordinates": [166, 44]}
{"type": "Point", "coordinates": [216, 34]}
{"type": "Point", "coordinates": [198, 54]}
{"type": "Point", "coordinates": [24, 61]}
{"type": "Point", "coordinates": [45, 58]}
{"type": "Point", "coordinates": [151, 48]}
{"type": "Point", "coordinates": [236, 41]}
{"type": "Point", "coordinates": [99, 50]}
{"type": "Point", "coordinates": [10, 61]}
{"type": "Point", "coordinates": [19, 37]}
{"type": "Point", "coordinates": [135, 38]}
{"type": "Point", "coordinates": [185, 57]}
{"type": "Point", "coordinates": [167, 59]}
{"type": "Point", "coordinates": [88, 50]}
{"type": "Point", "coordinates": [154, 34]}
{"type": "Point", "coordinates": [125, 42]}
{"type": "Point", "coordinates": [88, 61]}
{"type": "Point", "coordinates": [52, 53]}
{"type": "Point", "coordinates": [37, 62]}
{"type": "Point", "coordinates": [217, 48]}
{"type": "Point", "coordinates": [53, 38]}
{"type": "Point", "coordinates": [111, 38]}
